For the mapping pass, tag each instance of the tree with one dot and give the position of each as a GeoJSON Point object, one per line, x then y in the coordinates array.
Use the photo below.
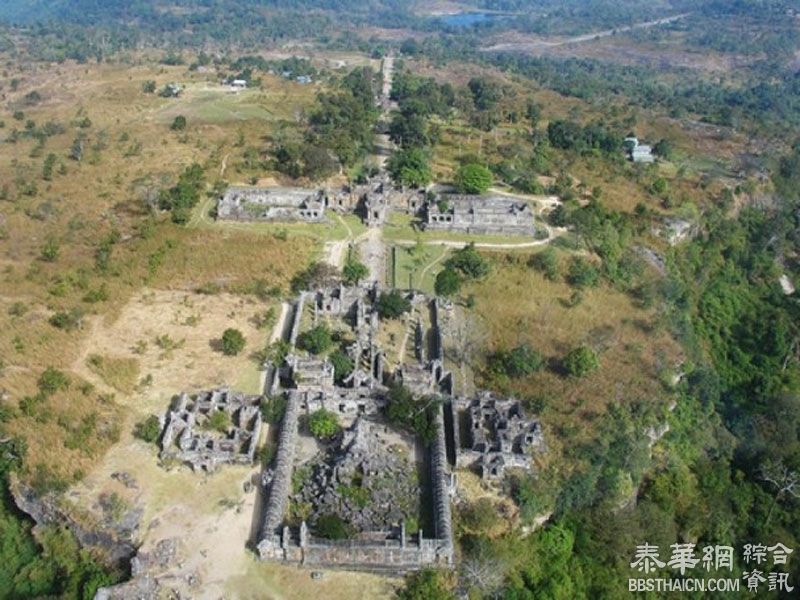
{"type": "Point", "coordinates": [410, 412]}
{"type": "Point", "coordinates": [427, 584]}
{"type": "Point", "coordinates": [533, 112]}
{"type": "Point", "coordinates": [393, 304]}
{"type": "Point", "coordinates": [517, 362]}
{"type": "Point", "coordinates": [323, 424]}
{"type": "Point", "coordinates": [582, 273]}
{"type": "Point", "coordinates": [317, 275]}
{"type": "Point", "coordinates": [785, 481]}
{"type": "Point", "coordinates": [342, 365]}
{"type": "Point", "coordinates": [149, 87]}
{"type": "Point", "coordinates": [184, 195]}
{"type": "Point", "coordinates": [318, 163]}
{"type": "Point", "coordinates": [316, 340]}
{"type": "Point", "coordinates": [410, 167]}
{"type": "Point", "coordinates": [233, 342]}
{"type": "Point", "coordinates": [179, 123]}
{"type": "Point", "coordinates": [469, 262]}
{"type": "Point", "coordinates": [546, 262]}
{"type": "Point", "coordinates": [448, 282]}
{"type": "Point", "coordinates": [473, 179]}
{"type": "Point", "coordinates": [485, 93]}
{"type": "Point", "coordinates": [354, 271]}
{"type": "Point", "coordinates": [148, 430]}
{"type": "Point", "coordinates": [663, 148]}
{"type": "Point", "coordinates": [581, 361]}
{"type": "Point", "coordinates": [332, 527]}
{"type": "Point", "coordinates": [660, 186]}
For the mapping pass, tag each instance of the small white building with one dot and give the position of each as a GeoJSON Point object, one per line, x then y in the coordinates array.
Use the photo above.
{"type": "Point", "coordinates": [639, 153]}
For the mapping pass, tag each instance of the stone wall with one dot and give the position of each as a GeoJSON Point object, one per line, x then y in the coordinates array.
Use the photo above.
{"type": "Point", "coordinates": [272, 204]}
{"type": "Point", "coordinates": [481, 215]}
{"type": "Point", "coordinates": [390, 556]}
{"type": "Point", "coordinates": [282, 469]}
{"type": "Point", "coordinates": [441, 483]}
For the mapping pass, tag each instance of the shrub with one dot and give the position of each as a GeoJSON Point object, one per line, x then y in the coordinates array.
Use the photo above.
{"type": "Point", "coordinates": [427, 584]}
{"type": "Point", "coordinates": [17, 309]}
{"type": "Point", "coordinates": [67, 320]}
{"type": "Point", "coordinates": [517, 362]}
{"type": "Point", "coordinates": [232, 342]}
{"type": "Point", "coordinates": [52, 380]}
{"type": "Point", "coordinates": [272, 409]}
{"type": "Point", "coordinates": [50, 251]}
{"type": "Point", "coordinates": [581, 361]}
{"type": "Point", "coordinates": [317, 275]}
{"type": "Point", "coordinates": [316, 340]}
{"type": "Point", "coordinates": [323, 424]}
{"type": "Point", "coordinates": [473, 179]}
{"type": "Point", "coordinates": [179, 124]}
{"type": "Point", "coordinates": [392, 305]}
{"type": "Point", "coordinates": [342, 365]}
{"type": "Point", "coordinates": [354, 271]}
{"type": "Point", "coordinates": [332, 527]}
{"type": "Point", "coordinates": [448, 282]}
{"type": "Point", "coordinates": [546, 262]}
{"type": "Point", "coordinates": [414, 414]}
{"type": "Point", "coordinates": [148, 430]}
{"type": "Point", "coordinates": [582, 273]}
{"type": "Point", "coordinates": [218, 421]}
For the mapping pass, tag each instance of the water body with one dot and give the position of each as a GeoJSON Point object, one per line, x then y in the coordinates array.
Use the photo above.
{"type": "Point", "coordinates": [469, 19]}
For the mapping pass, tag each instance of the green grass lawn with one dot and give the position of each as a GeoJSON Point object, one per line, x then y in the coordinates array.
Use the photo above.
{"type": "Point", "coordinates": [416, 267]}
{"type": "Point", "coordinates": [400, 227]}
{"type": "Point", "coordinates": [208, 104]}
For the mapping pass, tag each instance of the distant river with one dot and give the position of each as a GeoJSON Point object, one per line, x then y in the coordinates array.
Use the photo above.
{"type": "Point", "coordinates": [468, 19]}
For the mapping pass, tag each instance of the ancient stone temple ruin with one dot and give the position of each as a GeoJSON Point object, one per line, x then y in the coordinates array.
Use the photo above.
{"type": "Point", "coordinates": [484, 215]}
{"type": "Point", "coordinates": [498, 435]}
{"type": "Point", "coordinates": [375, 199]}
{"type": "Point", "coordinates": [368, 479]}
{"type": "Point", "coordinates": [187, 436]}
{"type": "Point", "coordinates": [369, 476]}
{"type": "Point", "coordinates": [272, 204]}
{"type": "Point", "coordinates": [390, 489]}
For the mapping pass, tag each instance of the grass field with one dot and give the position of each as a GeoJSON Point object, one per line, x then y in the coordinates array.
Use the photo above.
{"type": "Point", "coordinates": [401, 228]}
{"type": "Point", "coordinates": [416, 267]}
{"type": "Point", "coordinates": [338, 227]}
{"type": "Point", "coordinates": [516, 305]}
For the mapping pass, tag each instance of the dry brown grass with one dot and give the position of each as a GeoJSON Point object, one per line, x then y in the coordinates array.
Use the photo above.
{"type": "Point", "coordinates": [515, 305]}
{"type": "Point", "coordinates": [120, 373]}
{"type": "Point", "coordinates": [129, 151]}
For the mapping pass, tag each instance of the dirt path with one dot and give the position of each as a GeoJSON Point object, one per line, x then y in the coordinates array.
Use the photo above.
{"type": "Point", "coordinates": [433, 263]}
{"type": "Point", "coordinates": [224, 165]}
{"type": "Point", "coordinates": [539, 44]}
{"type": "Point", "coordinates": [373, 253]}
{"type": "Point", "coordinates": [335, 251]}
{"type": "Point", "coordinates": [553, 232]}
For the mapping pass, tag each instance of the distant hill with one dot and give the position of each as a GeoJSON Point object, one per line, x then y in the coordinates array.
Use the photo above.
{"type": "Point", "coordinates": [152, 12]}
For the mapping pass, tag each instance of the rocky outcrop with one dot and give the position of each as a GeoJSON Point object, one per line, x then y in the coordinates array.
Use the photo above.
{"type": "Point", "coordinates": [115, 549]}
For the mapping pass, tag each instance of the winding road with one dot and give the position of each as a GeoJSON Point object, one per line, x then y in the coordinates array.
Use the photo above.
{"type": "Point", "coordinates": [538, 44]}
